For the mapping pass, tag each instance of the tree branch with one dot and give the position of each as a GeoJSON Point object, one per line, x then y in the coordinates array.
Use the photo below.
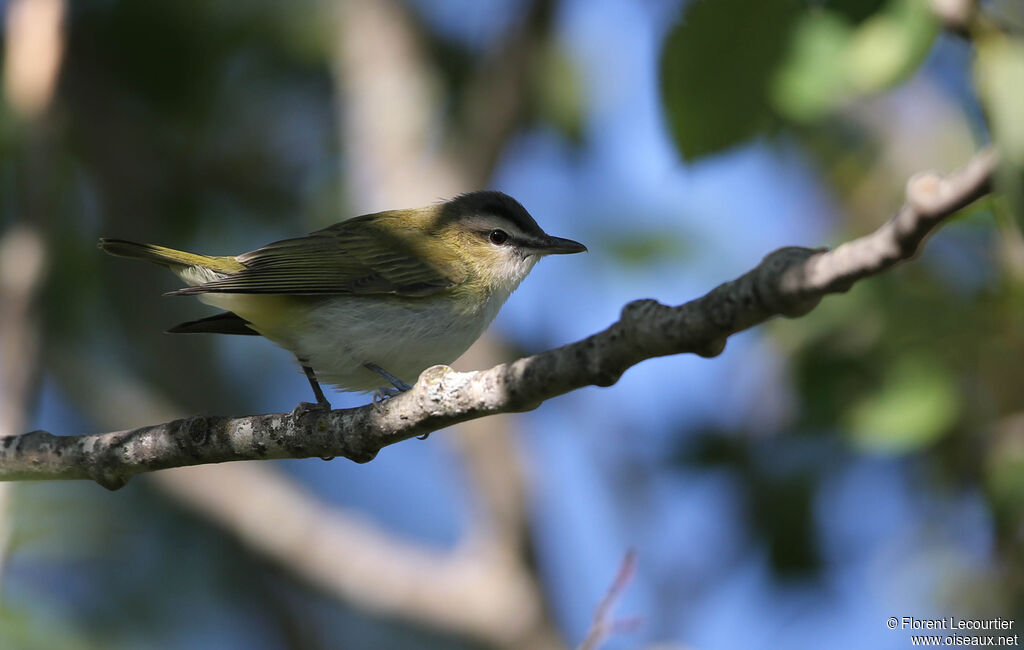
{"type": "Point", "coordinates": [788, 282]}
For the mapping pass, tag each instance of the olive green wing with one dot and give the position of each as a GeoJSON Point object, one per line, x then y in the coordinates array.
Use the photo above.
{"type": "Point", "coordinates": [354, 257]}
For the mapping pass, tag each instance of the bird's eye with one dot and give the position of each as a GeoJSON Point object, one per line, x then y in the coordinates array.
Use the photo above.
{"type": "Point", "coordinates": [497, 237]}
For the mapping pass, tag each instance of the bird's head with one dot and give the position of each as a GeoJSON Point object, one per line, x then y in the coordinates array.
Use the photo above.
{"type": "Point", "coordinates": [496, 238]}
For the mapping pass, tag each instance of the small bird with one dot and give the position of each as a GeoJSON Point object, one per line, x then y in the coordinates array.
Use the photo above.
{"type": "Point", "coordinates": [372, 300]}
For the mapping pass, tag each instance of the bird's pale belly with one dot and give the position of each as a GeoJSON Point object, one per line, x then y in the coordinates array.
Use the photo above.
{"type": "Point", "coordinates": [337, 335]}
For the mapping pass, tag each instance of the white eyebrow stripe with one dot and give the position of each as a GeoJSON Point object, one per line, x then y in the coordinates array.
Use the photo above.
{"type": "Point", "coordinates": [490, 222]}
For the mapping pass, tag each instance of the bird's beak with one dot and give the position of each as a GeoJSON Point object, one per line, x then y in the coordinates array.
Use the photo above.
{"type": "Point", "coordinates": [556, 246]}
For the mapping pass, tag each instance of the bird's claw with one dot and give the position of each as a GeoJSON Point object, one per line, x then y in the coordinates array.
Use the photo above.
{"type": "Point", "coordinates": [303, 409]}
{"type": "Point", "coordinates": [383, 394]}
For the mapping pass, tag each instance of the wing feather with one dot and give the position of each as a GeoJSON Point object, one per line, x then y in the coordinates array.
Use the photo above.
{"type": "Point", "coordinates": [355, 257]}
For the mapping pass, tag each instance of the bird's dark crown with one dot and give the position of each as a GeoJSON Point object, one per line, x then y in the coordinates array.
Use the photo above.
{"type": "Point", "coordinates": [484, 202]}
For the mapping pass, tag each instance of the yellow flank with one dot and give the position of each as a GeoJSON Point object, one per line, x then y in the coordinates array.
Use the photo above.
{"type": "Point", "coordinates": [276, 317]}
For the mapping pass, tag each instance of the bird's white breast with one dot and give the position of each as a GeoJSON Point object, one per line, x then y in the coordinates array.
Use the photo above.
{"type": "Point", "coordinates": [337, 335]}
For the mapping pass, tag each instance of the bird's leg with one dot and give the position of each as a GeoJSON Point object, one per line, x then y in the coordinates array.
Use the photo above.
{"type": "Point", "coordinates": [321, 402]}
{"type": "Point", "coordinates": [385, 393]}
{"type": "Point", "coordinates": [400, 385]}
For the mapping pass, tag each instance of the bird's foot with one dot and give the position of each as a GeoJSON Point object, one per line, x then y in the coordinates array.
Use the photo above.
{"type": "Point", "coordinates": [303, 409]}
{"type": "Point", "coordinates": [383, 394]}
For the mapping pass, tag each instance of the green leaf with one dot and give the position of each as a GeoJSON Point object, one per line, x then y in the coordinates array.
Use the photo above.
{"type": "Point", "coordinates": [1004, 467]}
{"type": "Point", "coordinates": [716, 68]}
{"type": "Point", "coordinates": [916, 404]}
{"type": "Point", "coordinates": [832, 61]}
{"type": "Point", "coordinates": [643, 248]}
{"type": "Point", "coordinates": [890, 45]}
{"type": "Point", "coordinates": [559, 93]}
{"type": "Point", "coordinates": [999, 71]}
{"type": "Point", "coordinates": [1005, 478]}
{"type": "Point", "coordinates": [811, 82]}
{"type": "Point", "coordinates": [38, 625]}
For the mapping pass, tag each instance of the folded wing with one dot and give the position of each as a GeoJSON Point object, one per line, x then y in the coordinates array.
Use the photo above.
{"type": "Point", "coordinates": [354, 257]}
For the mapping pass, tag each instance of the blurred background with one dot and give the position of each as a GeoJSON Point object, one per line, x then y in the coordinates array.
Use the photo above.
{"type": "Point", "coordinates": [822, 475]}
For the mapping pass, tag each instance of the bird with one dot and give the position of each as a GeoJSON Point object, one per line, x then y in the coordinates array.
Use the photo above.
{"type": "Point", "coordinates": [369, 303]}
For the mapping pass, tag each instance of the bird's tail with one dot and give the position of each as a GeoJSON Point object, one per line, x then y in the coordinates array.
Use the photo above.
{"type": "Point", "coordinates": [168, 256]}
